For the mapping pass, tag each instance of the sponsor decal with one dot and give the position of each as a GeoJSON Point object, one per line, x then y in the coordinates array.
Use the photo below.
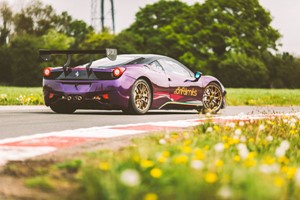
{"type": "Point", "coordinates": [77, 73]}
{"type": "Point", "coordinates": [185, 91]}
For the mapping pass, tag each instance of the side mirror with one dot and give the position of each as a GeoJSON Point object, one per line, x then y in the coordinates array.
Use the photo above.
{"type": "Point", "coordinates": [197, 75]}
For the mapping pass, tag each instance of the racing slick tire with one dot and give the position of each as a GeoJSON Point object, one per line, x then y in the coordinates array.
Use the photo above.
{"type": "Point", "coordinates": [63, 108]}
{"type": "Point", "coordinates": [140, 98]}
{"type": "Point", "coordinates": [212, 98]}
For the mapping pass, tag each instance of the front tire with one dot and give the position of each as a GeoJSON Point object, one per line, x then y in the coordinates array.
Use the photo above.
{"type": "Point", "coordinates": [140, 98]}
{"type": "Point", "coordinates": [212, 98]}
{"type": "Point", "coordinates": [63, 108]}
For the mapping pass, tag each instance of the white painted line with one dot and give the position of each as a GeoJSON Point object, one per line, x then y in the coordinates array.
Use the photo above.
{"type": "Point", "coordinates": [8, 153]}
{"type": "Point", "coordinates": [99, 133]}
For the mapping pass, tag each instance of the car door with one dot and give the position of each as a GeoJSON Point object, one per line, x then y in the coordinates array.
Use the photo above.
{"type": "Point", "coordinates": [160, 85]}
{"type": "Point", "coordinates": [182, 87]}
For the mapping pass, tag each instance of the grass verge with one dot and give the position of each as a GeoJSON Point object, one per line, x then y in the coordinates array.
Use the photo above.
{"type": "Point", "coordinates": [236, 160]}
{"type": "Point", "coordinates": [21, 95]}
{"type": "Point", "coordinates": [263, 97]}
{"type": "Point", "coordinates": [235, 97]}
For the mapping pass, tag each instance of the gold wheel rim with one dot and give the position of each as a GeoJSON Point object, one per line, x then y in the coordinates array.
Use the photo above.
{"type": "Point", "coordinates": [142, 96]}
{"type": "Point", "coordinates": [212, 98]}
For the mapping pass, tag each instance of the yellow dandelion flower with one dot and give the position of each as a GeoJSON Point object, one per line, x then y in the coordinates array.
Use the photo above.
{"type": "Point", "coordinates": [151, 196]}
{"type": "Point", "coordinates": [251, 140]}
{"type": "Point", "coordinates": [166, 154]}
{"type": "Point", "coordinates": [156, 173]}
{"type": "Point", "coordinates": [174, 136]}
{"type": "Point", "coordinates": [233, 141]}
{"type": "Point", "coordinates": [237, 158]}
{"type": "Point", "coordinates": [225, 138]}
{"type": "Point", "coordinates": [136, 158]}
{"type": "Point", "coordinates": [146, 163]}
{"type": "Point", "coordinates": [186, 149]}
{"type": "Point", "coordinates": [104, 166]}
{"type": "Point", "coordinates": [269, 160]}
{"type": "Point", "coordinates": [206, 147]}
{"type": "Point", "coordinates": [278, 181]}
{"type": "Point", "coordinates": [283, 160]}
{"type": "Point", "coordinates": [162, 159]}
{"type": "Point", "coordinates": [187, 142]}
{"type": "Point", "coordinates": [219, 163]}
{"type": "Point", "coordinates": [292, 132]}
{"type": "Point", "coordinates": [226, 145]}
{"type": "Point", "coordinates": [211, 177]}
{"type": "Point", "coordinates": [181, 159]}
{"type": "Point", "coordinates": [216, 128]}
{"type": "Point", "coordinates": [251, 155]}
{"type": "Point", "coordinates": [291, 172]}
{"type": "Point", "coordinates": [249, 163]}
{"type": "Point", "coordinates": [199, 154]}
{"type": "Point", "coordinates": [284, 169]}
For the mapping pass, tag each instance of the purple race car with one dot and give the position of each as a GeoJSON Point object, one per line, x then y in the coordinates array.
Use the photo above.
{"type": "Point", "coordinates": [133, 83]}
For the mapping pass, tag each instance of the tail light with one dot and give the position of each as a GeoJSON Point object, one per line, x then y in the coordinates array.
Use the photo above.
{"type": "Point", "coordinates": [47, 72]}
{"type": "Point", "coordinates": [117, 72]}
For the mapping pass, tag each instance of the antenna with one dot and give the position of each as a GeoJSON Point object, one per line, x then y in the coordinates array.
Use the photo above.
{"type": "Point", "coordinates": [98, 15]}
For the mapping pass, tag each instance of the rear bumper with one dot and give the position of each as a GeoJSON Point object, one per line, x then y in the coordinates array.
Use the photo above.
{"type": "Point", "coordinates": [89, 94]}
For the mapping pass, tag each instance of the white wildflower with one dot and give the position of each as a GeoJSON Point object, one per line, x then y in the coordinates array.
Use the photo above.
{"type": "Point", "coordinates": [219, 147]}
{"type": "Point", "coordinates": [269, 138]}
{"type": "Point", "coordinates": [297, 177]}
{"type": "Point", "coordinates": [261, 127]}
{"type": "Point", "coordinates": [225, 192]}
{"type": "Point", "coordinates": [130, 177]}
{"type": "Point", "coordinates": [197, 164]}
{"type": "Point", "coordinates": [209, 130]}
{"type": "Point", "coordinates": [243, 150]}
{"type": "Point", "coordinates": [243, 139]}
{"type": "Point", "coordinates": [162, 141]}
{"type": "Point", "coordinates": [268, 169]}
{"type": "Point", "coordinates": [238, 132]}
{"type": "Point", "coordinates": [231, 124]}
{"type": "Point", "coordinates": [241, 123]}
{"type": "Point", "coordinates": [283, 147]}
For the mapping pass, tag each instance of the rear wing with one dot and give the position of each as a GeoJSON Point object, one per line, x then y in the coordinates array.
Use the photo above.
{"type": "Point", "coordinates": [46, 55]}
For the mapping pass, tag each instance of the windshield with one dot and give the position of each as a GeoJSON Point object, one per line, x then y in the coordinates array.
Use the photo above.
{"type": "Point", "coordinates": [106, 63]}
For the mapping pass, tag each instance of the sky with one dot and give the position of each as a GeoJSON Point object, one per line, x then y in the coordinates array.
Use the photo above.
{"type": "Point", "coordinates": [285, 14]}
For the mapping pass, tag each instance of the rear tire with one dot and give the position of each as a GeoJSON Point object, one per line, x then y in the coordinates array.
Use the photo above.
{"type": "Point", "coordinates": [140, 98]}
{"type": "Point", "coordinates": [212, 98]}
{"type": "Point", "coordinates": [63, 108]}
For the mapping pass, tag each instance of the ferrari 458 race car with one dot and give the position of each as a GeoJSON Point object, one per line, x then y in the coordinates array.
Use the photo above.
{"type": "Point", "coordinates": [133, 83]}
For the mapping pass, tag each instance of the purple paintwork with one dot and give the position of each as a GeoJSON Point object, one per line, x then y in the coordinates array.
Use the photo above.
{"type": "Point", "coordinates": [169, 90]}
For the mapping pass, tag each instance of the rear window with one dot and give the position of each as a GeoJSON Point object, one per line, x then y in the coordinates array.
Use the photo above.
{"type": "Point", "coordinates": [106, 63]}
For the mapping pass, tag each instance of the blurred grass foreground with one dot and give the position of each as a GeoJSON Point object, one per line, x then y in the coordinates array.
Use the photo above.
{"type": "Point", "coordinates": [233, 160]}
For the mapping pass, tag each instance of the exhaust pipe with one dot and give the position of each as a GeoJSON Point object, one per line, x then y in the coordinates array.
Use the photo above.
{"type": "Point", "coordinates": [69, 98]}
{"type": "Point", "coordinates": [79, 98]}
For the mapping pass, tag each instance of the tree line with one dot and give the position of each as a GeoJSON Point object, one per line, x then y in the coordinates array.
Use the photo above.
{"type": "Point", "coordinates": [230, 39]}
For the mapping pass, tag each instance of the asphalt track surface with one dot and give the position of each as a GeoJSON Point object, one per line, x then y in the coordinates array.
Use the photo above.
{"type": "Point", "coordinates": [29, 120]}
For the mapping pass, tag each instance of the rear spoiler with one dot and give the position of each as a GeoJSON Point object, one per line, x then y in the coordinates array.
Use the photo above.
{"type": "Point", "coordinates": [111, 54]}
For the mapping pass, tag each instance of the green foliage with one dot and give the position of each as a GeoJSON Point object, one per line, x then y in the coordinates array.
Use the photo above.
{"type": "Point", "coordinates": [26, 69]}
{"type": "Point", "coordinates": [230, 39]}
{"type": "Point", "coordinates": [40, 182]}
{"type": "Point", "coordinates": [5, 65]}
{"type": "Point", "coordinates": [71, 166]}
{"type": "Point", "coordinates": [55, 40]}
{"type": "Point", "coordinates": [239, 70]}
{"type": "Point", "coordinates": [219, 34]}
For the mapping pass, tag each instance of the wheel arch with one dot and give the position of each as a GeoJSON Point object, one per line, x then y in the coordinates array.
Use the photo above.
{"type": "Point", "coordinates": [150, 85]}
